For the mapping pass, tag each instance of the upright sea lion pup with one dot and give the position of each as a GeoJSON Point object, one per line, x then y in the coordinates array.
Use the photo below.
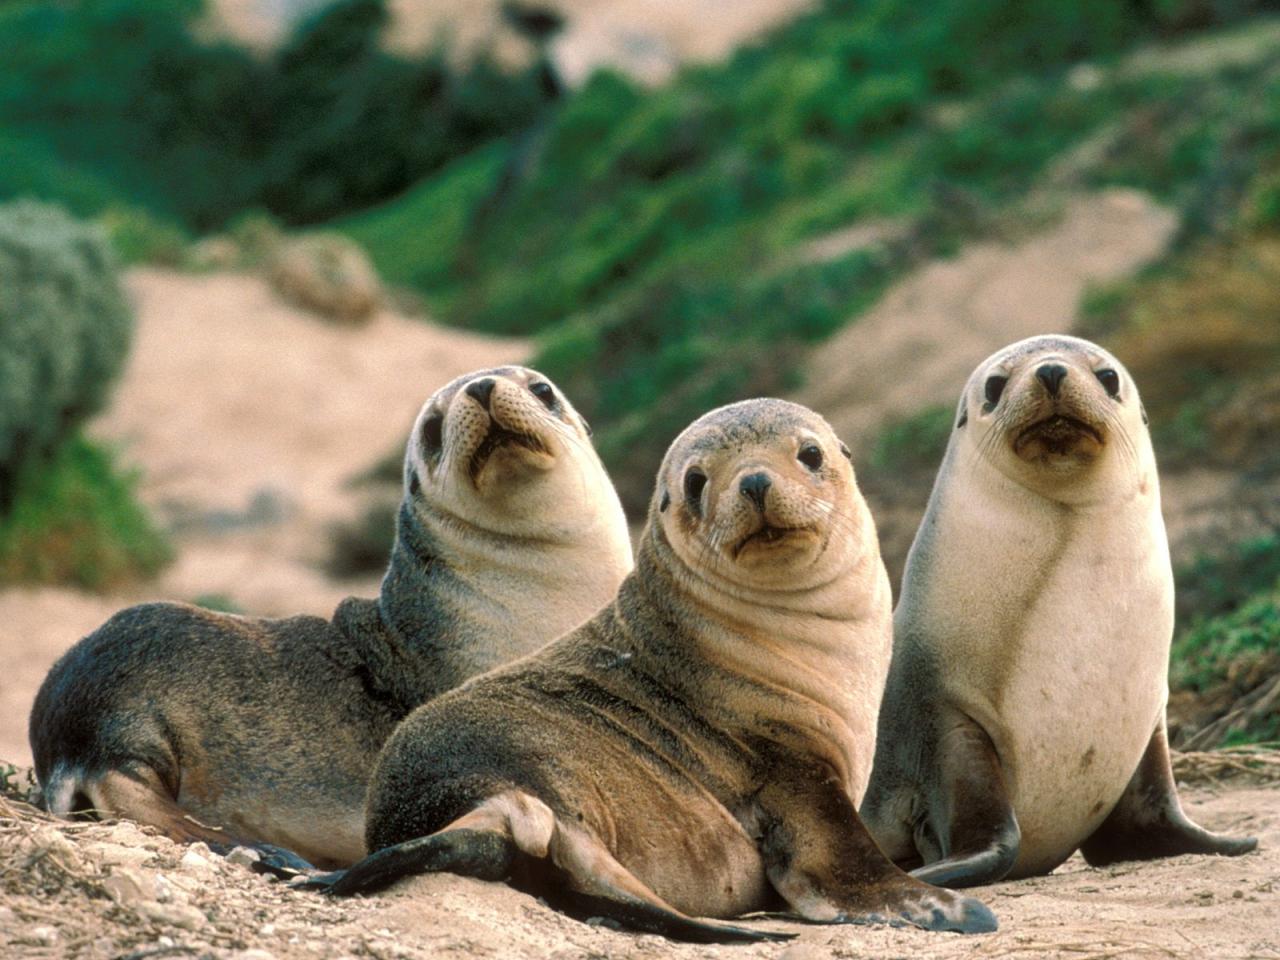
{"type": "Point", "coordinates": [232, 729]}
{"type": "Point", "coordinates": [1025, 711]}
{"type": "Point", "coordinates": [699, 747]}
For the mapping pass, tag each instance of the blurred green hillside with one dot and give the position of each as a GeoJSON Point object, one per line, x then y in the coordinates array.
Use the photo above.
{"type": "Point", "coordinates": [110, 103]}
{"type": "Point", "coordinates": [681, 247]}
{"type": "Point", "coordinates": [657, 241]}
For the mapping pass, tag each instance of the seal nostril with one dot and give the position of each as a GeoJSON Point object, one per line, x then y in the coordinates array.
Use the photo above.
{"type": "Point", "coordinates": [755, 487]}
{"type": "Point", "coordinates": [481, 390]}
{"type": "Point", "coordinates": [1051, 375]}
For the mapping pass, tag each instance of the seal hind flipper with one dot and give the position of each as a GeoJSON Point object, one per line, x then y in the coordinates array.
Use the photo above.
{"type": "Point", "coordinates": [824, 862]}
{"type": "Point", "coordinates": [516, 834]}
{"type": "Point", "coordinates": [970, 835]}
{"type": "Point", "coordinates": [589, 882]}
{"type": "Point", "coordinates": [1148, 821]}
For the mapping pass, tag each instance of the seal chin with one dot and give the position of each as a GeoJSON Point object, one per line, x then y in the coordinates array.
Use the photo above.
{"type": "Point", "coordinates": [510, 451]}
{"type": "Point", "coordinates": [1058, 438]}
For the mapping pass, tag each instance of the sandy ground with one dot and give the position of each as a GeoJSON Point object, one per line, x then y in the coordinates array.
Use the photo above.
{"type": "Point", "coordinates": [248, 418]}
{"type": "Point", "coordinates": [114, 890]}
{"type": "Point", "coordinates": [916, 348]}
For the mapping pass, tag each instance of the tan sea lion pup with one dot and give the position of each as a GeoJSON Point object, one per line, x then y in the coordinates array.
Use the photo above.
{"type": "Point", "coordinates": [699, 747]}
{"type": "Point", "coordinates": [1024, 716]}
{"type": "Point", "coordinates": [231, 729]}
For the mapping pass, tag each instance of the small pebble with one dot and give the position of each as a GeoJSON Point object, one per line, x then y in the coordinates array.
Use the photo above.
{"type": "Point", "coordinates": [47, 936]}
{"type": "Point", "coordinates": [195, 861]}
{"type": "Point", "coordinates": [129, 886]}
{"type": "Point", "coordinates": [243, 856]}
{"type": "Point", "coordinates": [173, 914]}
{"type": "Point", "coordinates": [267, 930]}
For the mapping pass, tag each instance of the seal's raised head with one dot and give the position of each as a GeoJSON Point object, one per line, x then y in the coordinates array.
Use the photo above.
{"type": "Point", "coordinates": [756, 490]}
{"type": "Point", "coordinates": [1050, 408]}
{"type": "Point", "coordinates": [492, 441]}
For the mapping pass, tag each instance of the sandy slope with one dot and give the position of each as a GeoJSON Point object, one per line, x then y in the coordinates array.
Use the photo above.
{"type": "Point", "coordinates": [248, 418]}
{"type": "Point", "coordinates": [114, 890]}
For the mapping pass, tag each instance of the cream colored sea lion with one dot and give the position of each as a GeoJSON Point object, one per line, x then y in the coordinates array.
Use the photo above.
{"type": "Point", "coordinates": [1025, 711]}
{"type": "Point", "coordinates": [699, 747]}
{"type": "Point", "coordinates": [232, 729]}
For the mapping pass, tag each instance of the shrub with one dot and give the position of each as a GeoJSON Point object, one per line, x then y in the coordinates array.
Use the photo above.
{"type": "Point", "coordinates": [114, 102]}
{"type": "Point", "coordinates": [74, 519]}
{"type": "Point", "coordinates": [65, 329]}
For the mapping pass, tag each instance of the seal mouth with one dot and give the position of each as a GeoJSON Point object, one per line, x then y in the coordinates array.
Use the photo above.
{"type": "Point", "coordinates": [767, 535]}
{"type": "Point", "coordinates": [499, 438]}
{"type": "Point", "coordinates": [1056, 434]}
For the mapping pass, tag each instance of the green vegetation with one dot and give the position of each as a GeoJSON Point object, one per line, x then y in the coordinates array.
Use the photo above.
{"type": "Point", "coordinates": [218, 602]}
{"type": "Point", "coordinates": [64, 331]}
{"type": "Point", "coordinates": [66, 513]}
{"type": "Point", "coordinates": [116, 103]}
{"type": "Point", "coordinates": [74, 519]}
{"type": "Point", "coordinates": [649, 238]}
{"type": "Point", "coordinates": [1211, 586]}
{"type": "Point", "coordinates": [914, 444]}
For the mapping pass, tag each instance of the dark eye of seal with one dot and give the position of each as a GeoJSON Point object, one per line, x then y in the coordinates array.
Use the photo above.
{"type": "Point", "coordinates": [544, 392]}
{"type": "Point", "coordinates": [1110, 381]}
{"type": "Point", "coordinates": [433, 433]}
{"type": "Point", "coordinates": [811, 456]}
{"type": "Point", "coordinates": [994, 389]}
{"type": "Point", "coordinates": [695, 481]}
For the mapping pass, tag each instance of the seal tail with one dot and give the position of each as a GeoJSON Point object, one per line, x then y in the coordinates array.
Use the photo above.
{"type": "Point", "coordinates": [516, 836]}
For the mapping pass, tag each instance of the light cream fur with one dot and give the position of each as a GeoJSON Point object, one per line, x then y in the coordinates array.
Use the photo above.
{"type": "Point", "coordinates": [1042, 594]}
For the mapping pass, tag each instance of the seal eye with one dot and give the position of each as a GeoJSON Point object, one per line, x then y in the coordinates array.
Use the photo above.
{"type": "Point", "coordinates": [994, 389]}
{"type": "Point", "coordinates": [811, 456]}
{"type": "Point", "coordinates": [1110, 381]}
{"type": "Point", "coordinates": [544, 392]}
{"type": "Point", "coordinates": [433, 433]}
{"type": "Point", "coordinates": [695, 481]}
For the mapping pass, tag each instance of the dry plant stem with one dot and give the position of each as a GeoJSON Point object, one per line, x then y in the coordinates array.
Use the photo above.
{"type": "Point", "coordinates": [1254, 704]}
{"type": "Point", "coordinates": [1259, 763]}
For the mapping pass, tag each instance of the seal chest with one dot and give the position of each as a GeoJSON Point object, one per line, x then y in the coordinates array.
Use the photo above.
{"type": "Point", "coordinates": [1032, 637]}
{"type": "Point", "coordinates": [696, 748]}
{"type": "Point", "coordinates": [234, 729]}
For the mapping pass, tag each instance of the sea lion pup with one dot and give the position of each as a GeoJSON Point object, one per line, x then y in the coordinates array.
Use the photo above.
{"type": "Point", "coordinates": [232, 729]}
{"type": "Point", "coordinates": [698, 748]}
{"type": "Point", "coordinates": [1025, 710]}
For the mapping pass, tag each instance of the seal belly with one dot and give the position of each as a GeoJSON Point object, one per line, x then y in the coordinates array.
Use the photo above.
{"type": "Point", "coordinates": [1075, 715]}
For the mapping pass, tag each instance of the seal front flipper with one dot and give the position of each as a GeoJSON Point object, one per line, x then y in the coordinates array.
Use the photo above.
{"type": "Point", "coordinates": [969, 834]}
{"type": "Point", "coordinates": [1148, 822]}
{"type": "Point", "coordinates": [822, 860]}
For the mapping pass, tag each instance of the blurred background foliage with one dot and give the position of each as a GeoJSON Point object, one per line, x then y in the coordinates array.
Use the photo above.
{"type": "Point", "coordinates": [664, 245]}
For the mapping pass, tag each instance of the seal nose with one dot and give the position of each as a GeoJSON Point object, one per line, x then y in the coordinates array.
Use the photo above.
{"type": "Point", "coordinates": [481, 390]}
{"type": "Point", "coordinates": [1051, 375]}
{"type": "Point", "coordinates": [755, 487]}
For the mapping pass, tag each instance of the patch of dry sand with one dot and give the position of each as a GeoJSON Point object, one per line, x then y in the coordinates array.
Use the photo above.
{"type": "Point", "coordinates": [918, 345]}
{"type": "Point", "coordinates": [248, 418]}
{"type": "Point", "coordinates": [108, 890]}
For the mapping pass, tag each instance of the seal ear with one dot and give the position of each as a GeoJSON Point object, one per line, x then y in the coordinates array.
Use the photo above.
{"type": "Point", "coordinates": [1142, 407]}
{"type": "Point", "coordinates": [964, 417]}
{"type": "Point", "coordinates": [666, 502]}
{"type": "Point", "coordinates": [586, 426]}
{"type": "Point", "coordinates": [415, 485]}
{"type": "Point", "coordinates": [845, 451]}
